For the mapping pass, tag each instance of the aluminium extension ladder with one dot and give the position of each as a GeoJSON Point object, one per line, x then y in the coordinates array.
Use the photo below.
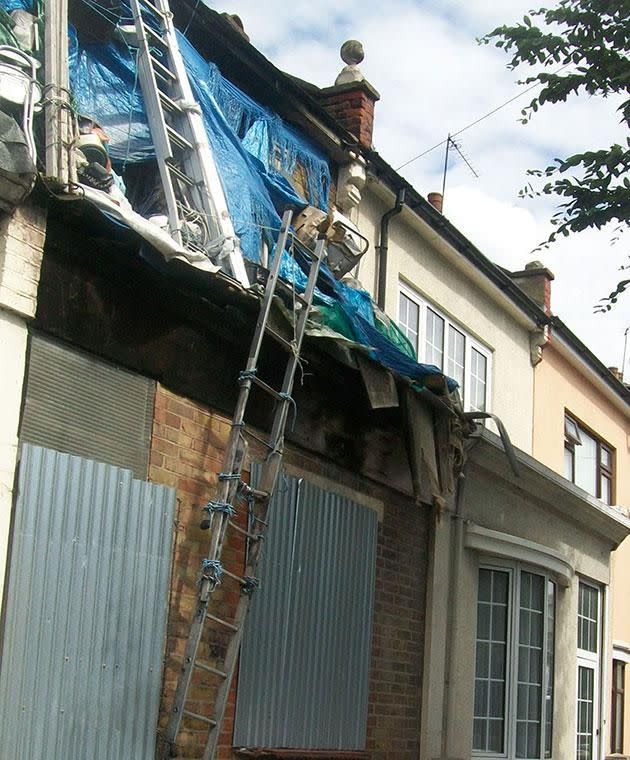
{"type": "Point", "coordinates": [221, 510]}
{"type": "Point", "coordinates": [197, 212]}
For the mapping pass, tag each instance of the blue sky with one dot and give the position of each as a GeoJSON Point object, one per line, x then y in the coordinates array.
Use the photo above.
{"type": "Point", "coordinates": [434, 79]}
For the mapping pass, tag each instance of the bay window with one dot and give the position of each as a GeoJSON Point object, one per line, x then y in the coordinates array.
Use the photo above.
{"type": "Point", "coordinates": [588, 670]}
{"type": "Point", "coordinates": [513, 703]}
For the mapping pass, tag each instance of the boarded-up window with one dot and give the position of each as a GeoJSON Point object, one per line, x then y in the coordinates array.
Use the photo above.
{"type": "Point", "coordinates": [79, 404]}
{"type": "Point", "coordinates": [303, 679]}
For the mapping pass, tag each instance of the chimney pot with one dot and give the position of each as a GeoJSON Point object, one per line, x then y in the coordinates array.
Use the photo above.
{"type": "Point", "coordinates": [436, 200]}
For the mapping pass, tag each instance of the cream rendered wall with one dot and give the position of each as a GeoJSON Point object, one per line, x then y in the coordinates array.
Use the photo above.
{"type": "Point", "coordinates": [416, 260]}
{"type": "Point", "coordinates": [21, 249]}
{"type": "Point", "coordinates": [559, 385]}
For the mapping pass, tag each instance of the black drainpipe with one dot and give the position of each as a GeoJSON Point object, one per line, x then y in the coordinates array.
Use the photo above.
{"type": "Point", "coordinates": [384, 244]}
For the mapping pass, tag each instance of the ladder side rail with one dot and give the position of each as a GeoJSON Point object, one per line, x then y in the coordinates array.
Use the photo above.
{"type": "Point", "coordinates": [246, 382]}
{"type": "Point", "coordinates": [210, 188]}
{"type": "Point", "coordinates": [157, 123]}
{"type": "Point", "coordinates": [268, 479]}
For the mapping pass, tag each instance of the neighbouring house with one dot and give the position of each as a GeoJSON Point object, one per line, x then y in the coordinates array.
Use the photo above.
{"type": "Point", "coordinates": [423, 577]}
{"type": "Point", "coordinates": [581, 428]}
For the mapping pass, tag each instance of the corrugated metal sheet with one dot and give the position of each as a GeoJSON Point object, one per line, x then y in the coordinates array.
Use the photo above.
{"type": "Point", "coordinates": [82, 405]}
{"type": "Point", "coordinates": [88, 595]}
{"type": "Point", "coordinates": [303, 677]}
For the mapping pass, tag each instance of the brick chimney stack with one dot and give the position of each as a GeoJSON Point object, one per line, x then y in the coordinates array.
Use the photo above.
{"type": "Point", "coordinates": [436, 200]}
{"type": "Point", "coordinates": [351, 99]}
{"type": "Point", "coordinates": [535, 281]}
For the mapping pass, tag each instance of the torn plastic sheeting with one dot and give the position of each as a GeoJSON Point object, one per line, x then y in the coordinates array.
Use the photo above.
{"type": "Point", "coordinates": [18, 5]}
{"type": "Point", "coordinates": [154, 235]}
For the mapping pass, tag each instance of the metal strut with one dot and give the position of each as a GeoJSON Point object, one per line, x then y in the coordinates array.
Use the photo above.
{"type": "Point", "coordinates": [220, 509]}
{"type": "Point", "coordinates": [196, 207]}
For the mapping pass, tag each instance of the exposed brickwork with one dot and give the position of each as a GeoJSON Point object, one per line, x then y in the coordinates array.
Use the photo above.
{"type": "Point", "coordinates": [187, 450]}
{"type": "Point", "coordinates": [397, 646]}
{"type": "Point", "coordinates": [353, 107]}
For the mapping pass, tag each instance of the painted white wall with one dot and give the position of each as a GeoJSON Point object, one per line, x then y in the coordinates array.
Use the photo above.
{"type": "Point", "coordinates": [423, 262]}
{"type": "Point", "coordinates": [21, 249]}
{"type": "Point", "coordinates": [13, 341]}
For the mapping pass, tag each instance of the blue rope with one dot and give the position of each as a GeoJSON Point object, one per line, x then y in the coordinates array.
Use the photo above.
{"type": "Point", "coordinates": [250, 584]}
{"type": "Point", "coordinates": [229, 476]}
{"type": "Point", "coordinates": [212, 570]}
{"type": "Point", "coordinates": [219, 506]}
{"type": "Point", "coordinates": [291, 400]}
{"type": "Point", "coordinates": [247, 374]}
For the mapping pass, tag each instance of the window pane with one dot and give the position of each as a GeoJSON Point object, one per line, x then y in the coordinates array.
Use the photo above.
{"type": "Point", "coordinates": [456, 354]}
{"type": "Point", "coordinates": [586, 464]}
{"type": "Point", "coordinates": [617, 707]}
{"type": "Point", "coordinates": [605, 489]}
{"type": "Point", "coordinates": [409, 319]}
{"type": "Point", "coordinates": [605, 457]}
{"type": "Point", "coordinates": [478, 380]}
{"type": "Point", "coordinates": [532, 610]}
{"type": "Point", "coordinates": [434, 343]}
{"type": "Point", "coordinates": [491, 653]}
{"type": "Point", "coordinates": [588, 608]}
{"type": "Point", "coordinates": [585, 703]}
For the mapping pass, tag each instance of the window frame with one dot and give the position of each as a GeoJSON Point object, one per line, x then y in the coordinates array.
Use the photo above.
{"type": "Point", "coordinates": [514, 569]}
{"type": "Point", "coordinates": [617, 696]}
{"type": "Point", "coordinates": [602, 471]}
{"type": "Point", "coordinates": [589, 660]}
{"type": "Point", "coordinates": [470, 342]}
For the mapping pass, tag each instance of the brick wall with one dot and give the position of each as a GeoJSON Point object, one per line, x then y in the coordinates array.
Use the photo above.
{"type": "Point", "coordinates": [21, 249]}
{"type": "Point", "coordinates": [186, 453]}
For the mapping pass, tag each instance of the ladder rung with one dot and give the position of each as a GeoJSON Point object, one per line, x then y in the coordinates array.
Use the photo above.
{"type": "Point", "coordinates": [203, 718]}
{"type": "Point", "coordinates": [289, 345]}
{"type": "Point", "coordinates": [267, 388]}
{"type": "Point", "coordinates": [288, 289]}
{"type": "Point", "coordinates": [161, 70]}
{"type": "Point", "coordinates": [210, 669]}
{"type": "Point", "coordinates": [220, 621]}
{"type": "Point", "coordinates": [148, 5]}
{"type": "Point", "coordinates": [234, 577]}
{"type": "Point", "coordinates": [243, 532]}
{"type": "Point", "coordinates": [169, 103]}
{"type": "Point", "coordinates": [178, 139]}
{"type": "Point", "coordinates": [180, 174]}
{"type": "Point", "coordinates": [155, 35]}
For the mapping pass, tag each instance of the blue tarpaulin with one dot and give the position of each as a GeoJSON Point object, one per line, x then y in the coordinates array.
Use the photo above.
{"type": "Point", "coordinates": [255, 152]}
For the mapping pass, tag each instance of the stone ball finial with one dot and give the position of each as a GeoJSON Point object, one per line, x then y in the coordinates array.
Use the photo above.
{"type": "Point", "coordinates": [352, 52]}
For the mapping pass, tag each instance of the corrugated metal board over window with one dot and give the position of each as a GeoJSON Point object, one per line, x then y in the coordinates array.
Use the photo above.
{"type": "Point", "coordinates": [303, 676]}
{"type": "Point", "coordinates": [86, 614]}
{"type": "Point", "coordinates": [82, 405]}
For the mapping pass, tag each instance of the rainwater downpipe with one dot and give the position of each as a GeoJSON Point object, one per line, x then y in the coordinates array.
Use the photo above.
{"type": "Point", "coordinates": [384, 245]}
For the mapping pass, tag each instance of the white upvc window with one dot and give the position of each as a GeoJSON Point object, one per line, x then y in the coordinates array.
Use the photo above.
{"type": "Point", "coordinates": [514, 663]}
{"type": "Point", "coordinates": [438, 340]}
{"type": "Point", "coordinates": [589, 641]}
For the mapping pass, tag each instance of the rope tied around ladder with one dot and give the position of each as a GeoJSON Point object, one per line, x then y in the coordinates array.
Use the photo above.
{"type": "Point", "coordinates": [219, 506]}
{"type": "Point", "coordinates": [249, 585]}
{"type": "Point", "coordinates": [212, 570]}
{"type": "Point", "coordinates": [247, 374]}
{"type": "Point", "coordinates": [288, 397]}
{"type": "Point", "coordinates": [229, 476]}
